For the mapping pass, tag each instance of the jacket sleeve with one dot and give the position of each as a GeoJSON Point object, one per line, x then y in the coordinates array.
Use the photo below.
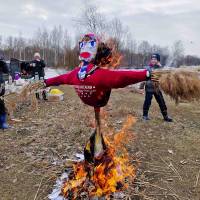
{"type": "Point", "coordinates": [4, 67]}
{"type": "Point", "coordinates": [62, 79]}
{"type": "Point", "coordinates": [118, 78]}
{"type": "Point", "coordinates": [43, 64]}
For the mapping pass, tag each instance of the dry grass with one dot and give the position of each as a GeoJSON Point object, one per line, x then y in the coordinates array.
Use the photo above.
{"type": "Point", "coordinates": [180, 85]}
{"type": "Point", "coordinates": [43, 141]}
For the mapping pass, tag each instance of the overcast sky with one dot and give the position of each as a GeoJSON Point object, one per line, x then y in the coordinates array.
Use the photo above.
{"type": "Point", "coordinates": [158, 21]}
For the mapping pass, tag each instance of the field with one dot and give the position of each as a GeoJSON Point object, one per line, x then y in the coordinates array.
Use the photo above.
{"type": "Point", "coordinates": [34, 150]}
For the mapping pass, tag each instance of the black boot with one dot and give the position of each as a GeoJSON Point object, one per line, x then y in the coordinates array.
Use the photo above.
{"type": "Point", "coordinates": [37, 95]}
{"type": "Point", "coordinates": [145, 115]}
{"type": "Point", "coordinates": [168, 119]}
{"type": "Point", "coordinates": [44, 95]}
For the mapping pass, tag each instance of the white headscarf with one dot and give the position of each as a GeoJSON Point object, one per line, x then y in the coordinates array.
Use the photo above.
{"type": "Point", "coordinates": [37, 55]}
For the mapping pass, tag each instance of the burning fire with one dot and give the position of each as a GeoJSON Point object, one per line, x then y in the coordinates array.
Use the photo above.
{"type": "Point", "coordinates": [108, 174]}
{"type": "Point", "coordinates": [113, 61]}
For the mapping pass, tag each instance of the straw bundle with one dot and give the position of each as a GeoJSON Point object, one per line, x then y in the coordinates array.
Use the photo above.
{"type": "Point", "coordinates": [179, 84]}
{"type": "Point", "coordinates": [27, 94]}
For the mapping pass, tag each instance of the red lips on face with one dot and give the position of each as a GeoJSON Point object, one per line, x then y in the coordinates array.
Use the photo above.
{"type": "Point", "coordinates": [85, 55]}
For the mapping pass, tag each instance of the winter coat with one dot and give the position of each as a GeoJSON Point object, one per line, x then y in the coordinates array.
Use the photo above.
{"type": "Point", "coordinates": [37, 66]}
{"type": "Point", "coordinates": [3, 69]}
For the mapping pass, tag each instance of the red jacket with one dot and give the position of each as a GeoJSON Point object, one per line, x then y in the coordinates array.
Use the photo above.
{"type": "Point", "coordinates": [95, 89]}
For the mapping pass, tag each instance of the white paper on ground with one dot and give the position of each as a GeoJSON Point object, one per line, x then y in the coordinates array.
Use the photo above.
{"type": "Point", "coordinates": [55, 195]}
{"type": "Point", "coordinates": [80, 156]}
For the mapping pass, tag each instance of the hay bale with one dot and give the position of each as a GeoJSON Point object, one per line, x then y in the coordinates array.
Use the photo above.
{"type": "Point", "coordinates": [180, 85]}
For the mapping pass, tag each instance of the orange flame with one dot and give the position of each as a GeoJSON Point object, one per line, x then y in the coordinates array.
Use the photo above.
{"type": "Point", "coordinates": [108, 175]}
{"type": "Point", "coordinates": [115, 59]}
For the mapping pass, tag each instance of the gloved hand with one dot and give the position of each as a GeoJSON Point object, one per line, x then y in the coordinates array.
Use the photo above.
{"type": "Point", "coordinates": [32, 65]}
{"type": "Point", "coordinates": [149, 71]}
{"type": "Point", "coordinates": [152, 74]}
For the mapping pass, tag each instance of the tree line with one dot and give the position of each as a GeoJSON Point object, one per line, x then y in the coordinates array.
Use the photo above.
{"type": "Point", "coordinates": [59, 48]}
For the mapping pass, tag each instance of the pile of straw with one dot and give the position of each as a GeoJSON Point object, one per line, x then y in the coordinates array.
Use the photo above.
{"type": "Point", "coordinates": [180, 85]}
{"type": "Point", "coordinates": [26, 95]}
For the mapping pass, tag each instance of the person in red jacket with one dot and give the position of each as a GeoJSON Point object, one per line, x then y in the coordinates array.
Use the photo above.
{"type": "Point", "coordinates": [93, 84]}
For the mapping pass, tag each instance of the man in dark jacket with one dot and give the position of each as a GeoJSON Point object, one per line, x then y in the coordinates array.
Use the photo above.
{"type": "Point", "coordinates": [3, 69]}
{"type": "Point", "coordinates": [37, 70]}
{"type": "Point", "coordinates": [37, 66]}
{"type": "Point", "coordinates": [151, 90]}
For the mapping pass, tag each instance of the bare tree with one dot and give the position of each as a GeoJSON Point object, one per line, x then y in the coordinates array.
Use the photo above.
{"type": "Point", "coordinates": [56, 37]}
{"type": "Point", "coordinates": [57, 48]}
{"type": "Point", "coordinates": [144, 49]}
{"type": "Point", "coordinates": [91, 20]}
{"type": "Point", "coordinates": [130, 50]}
{"type": "Point", "coordinates": [117, 31]}
{"type": "Point", "coordinates": [177, 53]}
{"type": "Point", "coordinates": [66, 49]}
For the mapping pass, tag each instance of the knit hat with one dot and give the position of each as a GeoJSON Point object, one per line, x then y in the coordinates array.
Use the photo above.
{"type": "Point", "coordinates": [156, 56]}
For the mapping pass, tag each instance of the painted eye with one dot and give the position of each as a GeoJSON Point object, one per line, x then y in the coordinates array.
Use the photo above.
{"type": "Point", "coordinates": [81, 45]}
{"type": "Point", "coordinates": [92, 43]}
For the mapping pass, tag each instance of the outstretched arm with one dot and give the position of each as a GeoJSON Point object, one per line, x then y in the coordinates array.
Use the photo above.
{"type": "Point", "coordinates": [116, 78]}
{"type": "Point", "coordinates": [102, 78]}
{"type": "Point", "coordinates": [62, 79]}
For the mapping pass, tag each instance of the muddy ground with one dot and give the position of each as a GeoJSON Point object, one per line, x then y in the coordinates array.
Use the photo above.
{"type": "Point", "coordinates": [33, 151]}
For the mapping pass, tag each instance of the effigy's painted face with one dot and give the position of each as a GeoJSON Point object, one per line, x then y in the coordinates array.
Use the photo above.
{"type": "Point", "coordinates": [88, 49]}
